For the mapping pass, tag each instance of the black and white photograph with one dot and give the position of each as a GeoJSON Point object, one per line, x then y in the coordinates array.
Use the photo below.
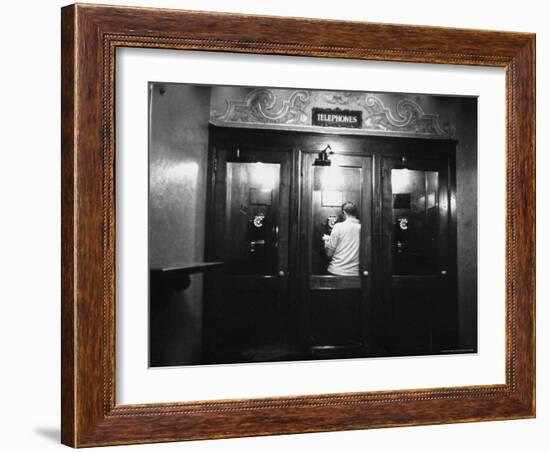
{"type": "Point", "coordinates": [245, 226]}
{"type": "Point", "coordinates": [292, 224]}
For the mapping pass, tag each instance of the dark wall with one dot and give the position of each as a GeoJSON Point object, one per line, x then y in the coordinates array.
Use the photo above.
{"type": "Point", "coordinates": [178, 150]}
{"type": "Point", "coordinates": [462, 114]}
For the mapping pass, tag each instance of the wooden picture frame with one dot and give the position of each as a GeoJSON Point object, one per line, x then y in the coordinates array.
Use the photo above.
{"type": "Point", "coordinates": [90, 37]}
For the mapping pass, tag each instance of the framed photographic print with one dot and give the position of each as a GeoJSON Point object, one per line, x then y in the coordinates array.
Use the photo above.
{"type": "Point", "coordinates": [280, 225]}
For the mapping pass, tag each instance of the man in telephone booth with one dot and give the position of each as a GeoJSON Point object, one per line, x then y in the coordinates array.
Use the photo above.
{"type": "Point", "coordinates": [342, 245]}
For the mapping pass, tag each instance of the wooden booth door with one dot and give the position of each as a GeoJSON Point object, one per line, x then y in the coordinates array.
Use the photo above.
{"type": "Point", "coordinates": [419, 253]}
{"type": "Point", "coordinates": [249, 233]}
{"type": "Point", "coordinates": [335, 308]}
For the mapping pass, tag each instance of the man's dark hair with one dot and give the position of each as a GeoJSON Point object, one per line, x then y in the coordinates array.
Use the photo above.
{"type": "Point", "coordinates": [350, 209]}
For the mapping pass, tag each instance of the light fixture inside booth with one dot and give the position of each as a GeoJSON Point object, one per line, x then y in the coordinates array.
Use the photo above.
{"type": "Point", "coordinates": [250, 167]}
{"type": "Point", "coordinates": [401, 177]}
{"type": "Point", "coordinates": [330, 174]}
{"type": "Point", "coordinates": [323, 158]}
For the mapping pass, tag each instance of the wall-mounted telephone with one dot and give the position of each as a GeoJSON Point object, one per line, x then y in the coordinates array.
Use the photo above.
{"type": "Point", "coordinates": [402, 235]}
{"type": "Point", "coordinates": [331, 221]}
{"type": "Point", "coordinates": [257, 236]}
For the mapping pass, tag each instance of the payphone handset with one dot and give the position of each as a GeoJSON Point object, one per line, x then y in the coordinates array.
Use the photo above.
{"type": "Point", "coordinates": [331, 221]}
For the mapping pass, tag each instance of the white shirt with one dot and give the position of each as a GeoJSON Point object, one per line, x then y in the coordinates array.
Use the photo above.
{"type": "Point", "coordinates": [344, 242]}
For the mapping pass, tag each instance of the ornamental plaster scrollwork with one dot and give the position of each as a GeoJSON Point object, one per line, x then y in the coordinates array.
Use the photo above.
{"type": "Point", "coordinates": [260, 106]}
{"type": "Point", "coordinates": [289, 109]}
{"type": "Point", "coordinates": [344, 98]}
{"type": "Point", "coordinates": [410, 118]}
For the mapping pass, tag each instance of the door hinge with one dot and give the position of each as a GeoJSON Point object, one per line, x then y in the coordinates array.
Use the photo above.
{"type": "Point", "coordinates": [215, 164]}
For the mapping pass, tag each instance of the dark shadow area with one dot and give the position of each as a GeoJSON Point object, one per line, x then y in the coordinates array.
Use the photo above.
{"type": "Point", "coordinates": [50, 433]}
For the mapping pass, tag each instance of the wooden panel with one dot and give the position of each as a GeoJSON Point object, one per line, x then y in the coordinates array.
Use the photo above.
{"type": "Point", "coordinates": [68, 228]}
{"type": "Point", "coordinates": [413, 302]}
{"type": "Point", "coordinates": [328, 282]}
{"type": "Point", "coordinates": [243, 315]}
{"type": "Point", "coordinates": [335, 317]}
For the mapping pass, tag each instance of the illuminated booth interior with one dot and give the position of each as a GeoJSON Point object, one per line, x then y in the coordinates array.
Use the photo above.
{"type": "Point", "coordinates": [238, 268]}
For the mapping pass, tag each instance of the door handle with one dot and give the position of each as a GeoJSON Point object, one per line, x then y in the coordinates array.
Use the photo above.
{"type": "Point", "coordinates": [282, 273]}
{"type": "Point", "coordinates": [365, 273]}
{"type": "Point", "coordinates": [443, 272]}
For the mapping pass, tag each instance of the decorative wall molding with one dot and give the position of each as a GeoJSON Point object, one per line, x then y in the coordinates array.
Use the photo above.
{"type": "Point", "coordinates": [343, 98]}
{"type": "Point", "coordinates": [291, 109]}
{"type": "Point", "coordinates": [260, 106]}
{"type": "Point", "coordinates": [410, 118]}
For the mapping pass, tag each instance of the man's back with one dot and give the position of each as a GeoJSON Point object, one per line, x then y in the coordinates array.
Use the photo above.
{"type": "Point", "coordinates": [344, 242]}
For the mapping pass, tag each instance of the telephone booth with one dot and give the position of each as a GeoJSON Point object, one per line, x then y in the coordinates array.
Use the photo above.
{"type": "Point", "coordinates": [272, 197]}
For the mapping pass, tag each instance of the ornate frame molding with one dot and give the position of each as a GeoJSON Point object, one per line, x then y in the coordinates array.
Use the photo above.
{"type": "Point", "coordinates": [90, 36]}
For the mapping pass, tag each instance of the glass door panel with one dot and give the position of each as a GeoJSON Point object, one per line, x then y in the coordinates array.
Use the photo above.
{"type": "Point", "coordinates": [332, 187]}
{"type": "Point", "coordinates": [251, 218]}
{"type": "Point", "coordinates": [415, 220]}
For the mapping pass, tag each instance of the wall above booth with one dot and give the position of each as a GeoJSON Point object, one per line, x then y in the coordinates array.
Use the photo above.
{"type": "Point", "coordinates": [309, 110]}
